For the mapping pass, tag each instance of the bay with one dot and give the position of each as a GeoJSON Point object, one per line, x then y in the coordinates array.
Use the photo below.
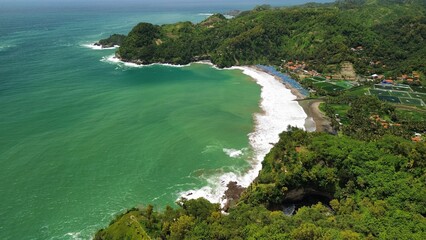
{"type": "Point", "coordinates": [82, 139]}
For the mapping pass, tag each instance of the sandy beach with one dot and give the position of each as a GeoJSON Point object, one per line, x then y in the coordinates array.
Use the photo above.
{"type": "Point", "coordinates": [294, 91]}
{"type": "Point", "coordinates": [278, 110]}
{"type": "Point", "coordinates": [311, 107]}
{"type": "Point", "coordinates": [280, 106]}
{"type": "Point", "coordinates": [315, 120]}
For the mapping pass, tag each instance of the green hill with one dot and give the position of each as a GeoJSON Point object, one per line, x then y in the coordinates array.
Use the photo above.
{"type": "Point", "coordinates": [391, 34]}
{"type": "Point", "coordinates": [341, 188]}
{"type": "Point", "coordinates": [364, 183]}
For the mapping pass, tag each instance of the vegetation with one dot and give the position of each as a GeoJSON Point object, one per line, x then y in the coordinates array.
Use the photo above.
{"type": "Point", "coordinates": [367, 118]}
{"type": "Point", "coordinates": [364, 190]}
{"type": "Point", "coordinates": [377, 37]}
{"type": "Point", "coordinates": [366, 182]}
{"type": "Point", "coordinates": [111, 41]}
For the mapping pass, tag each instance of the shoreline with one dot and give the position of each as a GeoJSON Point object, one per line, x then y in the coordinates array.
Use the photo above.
{"type": "Point", "coordinates": [279, 107]}
{"type": "Point", "coordinates": [311, 107]}
{"type": "Point", "coordinates": [93, 46]}
{"type": "Point", "coordinates": [293, 90]}
{"type": "Point", "coordinates": [315, 120]}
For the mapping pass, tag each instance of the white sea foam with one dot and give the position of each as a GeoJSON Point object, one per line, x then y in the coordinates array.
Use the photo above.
{"type": "Point", "coordinates": [233, 153]}
{"type": "Point", "coordinates": [6, 46]}
{"type": "Point", "coordinates": [279, 111]}
{"type": "Point", "coordinates": [114, 60]}
{"type": "Point", "coordinates": [206, 62]}
{"type": "Point", "coordinates": [95, 47]}
{"type": "Point", "coordinates": [74, 235]}
{"type": "Point", "coordinates": [205, 14]}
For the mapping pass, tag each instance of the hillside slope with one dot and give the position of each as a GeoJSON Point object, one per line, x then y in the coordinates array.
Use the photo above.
{"type": "Point", "coordinates": [391, 36]}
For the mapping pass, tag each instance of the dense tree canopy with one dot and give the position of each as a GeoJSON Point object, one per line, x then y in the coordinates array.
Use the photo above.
{"type": "Point", "coordinates": [365, 190]}
{"type": "Point", "coordinates": [391, 37]}
{"type": "Point", "coordinates": [366, 182]}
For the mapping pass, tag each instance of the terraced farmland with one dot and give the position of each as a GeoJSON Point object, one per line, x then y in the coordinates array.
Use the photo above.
{"type": "Point", "coordinates": [398, 94]}
{"type": "Point", "coordinates": [329, 85]}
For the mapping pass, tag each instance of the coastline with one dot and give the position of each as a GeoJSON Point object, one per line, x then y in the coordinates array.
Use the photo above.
{"type": "Point", "coordinates": [311, 107]}
{"type": "Point", "coordinates": [280, 107]}
{"type": "Point", "coordinates": [293, 90]}
{"type": "Point", "coordinates": [93, 46]}
{"type": "Point", "coordinates": [316, 121]}
{"type": "Point", "coordinates": [278, 110]}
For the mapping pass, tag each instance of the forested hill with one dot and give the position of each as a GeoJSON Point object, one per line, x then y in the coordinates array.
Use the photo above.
{"type": "Point", "coordinates": [390, 33]}
{"type": "Point", "coordinates": [366, 182]}
{"type": "Point", "coordinates": [368, 190]}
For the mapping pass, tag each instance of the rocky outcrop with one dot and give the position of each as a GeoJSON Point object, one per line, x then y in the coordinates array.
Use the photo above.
{"type": "Point", "coordinates": [111, 41]}
{"type": "Point", "coordinates": [232, 195]}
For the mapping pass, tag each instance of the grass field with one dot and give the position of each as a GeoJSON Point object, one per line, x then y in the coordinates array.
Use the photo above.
{"type": "Point", "coordinates": [408, 89]}
{"type": "Point", "coordinates": [403, 95]}
{"type": "Point", "coordinates": [358, 91]}
{"type": "Point", "coordinates": [382, 86]}
{"type": "Point", "coordinates": [412, 101]}
{"type": "Point", "coordinates": [379, 92]}
{"type": "Point", "coordinates": [342, 110]}
{"type": "Point", "coordinates": [421, 96]}
{"type": "Point", "coordinates": [389, 99]}
{"type": "Point", "coordinates": [344, 84]}
{"type": "Point", "coordinates": [329, 87]}
{"type": "Point", "coordinates": [419, 89]}
{"type": "Point", "coordinates": [400, 94]}
{"type": "Point", "coordinates": [418, 95]}
{"type": "Point", "coordinates": [319, 78]}
{"type": "Point", "coordinates": [309, 80]}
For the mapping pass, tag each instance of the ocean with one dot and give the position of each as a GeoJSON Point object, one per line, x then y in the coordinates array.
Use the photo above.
{"type": "Point", "coordinates": [83, 138]}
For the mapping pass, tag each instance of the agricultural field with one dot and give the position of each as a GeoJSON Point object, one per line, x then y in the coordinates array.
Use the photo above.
{"type": "Point", "coordinates": [319, 78]}
{"type": "Point", "coordinates": [341, 110]}
{"type": "Point", "coordinates": [379, 92]}
{"type": "Point", "coordinates": [309, 80]}
{"type": "Point", "coordinates": [398, 94]}
{"type": "Point", "coordinates": [344, 84]}
{"type": "Point", "coordinates": [419, 89]}
{"type": "Point", "coordinates": [383, 86]}
{"type": "Point", "coordinates": [412, 101]}
{"type": "Point", "coordinates": [418, 95]}
{"type": "Point", "coordinates": [400, 88]}
{"type": "Point", "coordinates": [389, 99]}
{"type": "Point", "coordinates": [329, 85]}
{"type": "Point", "coordinates": [358, 91]}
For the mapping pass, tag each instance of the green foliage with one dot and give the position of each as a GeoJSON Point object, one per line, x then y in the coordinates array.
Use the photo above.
{"type": "Point", "coordinates": [375, 190]}
{"type": "Point", "coordinates": [111, 41]}
{"type": "Point", "coordinates": [140, 42]}
{"type": "Point", "coordinates": [365, 183]}
{"type": "Point", "coordinates": [125, 227]}
{"type": "Point", "coordinates": [391, 37]}
{"type": "Point", "coordinates": [181, 227]}
{"type": "Point", "coordinates": [200, 209]}
{"type": "Point", "coordinates": [358, 114]}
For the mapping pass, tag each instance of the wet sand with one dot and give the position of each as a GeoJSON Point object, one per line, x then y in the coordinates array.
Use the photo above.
{"type": "Point", "coordinates": [311, 107]}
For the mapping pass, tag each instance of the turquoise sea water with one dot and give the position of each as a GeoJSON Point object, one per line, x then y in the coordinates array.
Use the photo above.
{"type": "Point", "coordinates": [82, 139]}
